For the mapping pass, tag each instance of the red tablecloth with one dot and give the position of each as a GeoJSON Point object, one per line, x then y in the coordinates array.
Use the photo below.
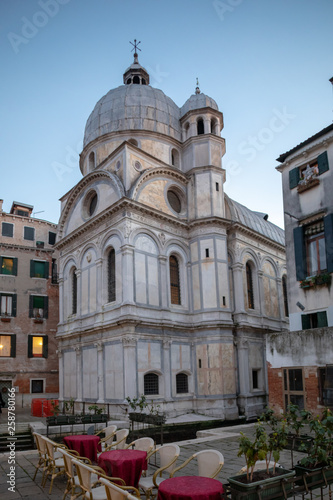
{"type": "Point", "coordinates": [86, 446]}
{"type": "Point", "coordinates": [190, 488]}
{"type": "Point", "coordinates": [126, 464]}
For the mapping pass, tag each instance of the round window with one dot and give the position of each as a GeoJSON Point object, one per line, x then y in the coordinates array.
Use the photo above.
{"type": "Point", "coordinates": [174, 201]}
{"type": "Point", "coordinates": [138, 166]}
{"type": "Point", "coordinates": [118, 165]}
{"type": "Point", "coordinates": [92, 205]}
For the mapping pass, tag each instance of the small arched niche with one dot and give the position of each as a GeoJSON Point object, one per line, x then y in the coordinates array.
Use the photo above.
{"type": "Point", "coordinates": [175, 158]}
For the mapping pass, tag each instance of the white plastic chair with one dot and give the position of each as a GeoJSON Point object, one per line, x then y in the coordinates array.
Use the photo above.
{"type": "Point", "coordinates": [114, 492]}
{"type": "Point", "coordinates": [167, 456]}
{"type": "Point", "coordinates": [209, 463]}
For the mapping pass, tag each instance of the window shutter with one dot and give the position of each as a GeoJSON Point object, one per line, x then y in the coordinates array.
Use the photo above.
{"type": "Point", "coordinates": [13, 346]}
{"type": "Point", "coordinates": [0, 265]}
{"type": "Point", "coordinates": [306, 322]}
{"type": "Point", "coordinates": [30, 346]}
{"type": "Point", "coordinates": [321, 319]}
{"type": "Point", "coordinates": [45, 346]}
{"type": "Point", "coordinates": [46, 270]}
{"type": "Point", "coordinates": [14, 302]}
{"type": "Point", "coordinates": [293, 178]}
{"type": "Point", "coordinates": [15, 266]}
{"type": "Point", "coordinates": [32, 268]}
{"type": "Point", "coordinates": [31, 305]}
{"type": "Point", "coordinates": [300, 253]}
{"type": "Point", "coordinates": [46, 307]}
{"type": "Point", "coordinates": [328, 228]}
{"type": "Point", "coordinates": [322, 163]}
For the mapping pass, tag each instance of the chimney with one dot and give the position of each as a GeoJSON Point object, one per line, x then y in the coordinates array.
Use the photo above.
{"type": "Point", "coordinates": [1, 202]}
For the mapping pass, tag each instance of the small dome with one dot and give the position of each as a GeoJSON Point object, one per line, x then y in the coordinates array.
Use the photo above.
{"type": "Point", "coordinates": [198, 101]}
{"type": "Point", "coordinates": [133, 107]}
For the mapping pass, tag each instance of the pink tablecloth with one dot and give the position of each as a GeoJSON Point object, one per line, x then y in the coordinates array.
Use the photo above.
{"type": "Point", "coordinates": [126, 464]}
{"type": "Point", "coordinates": [86, 446]}
{"type": "Point", "coordinates": [190, 488]}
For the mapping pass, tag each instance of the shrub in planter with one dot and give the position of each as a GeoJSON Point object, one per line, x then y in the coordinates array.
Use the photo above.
{"type": "Point", "coordinates": [320, 454]}
{"type": "Point", "coordinates": [296, 420]}
{"type": "Point", "coordinates": [262, 447]}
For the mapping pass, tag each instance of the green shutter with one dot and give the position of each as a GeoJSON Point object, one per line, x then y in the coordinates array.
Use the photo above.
{"type": "Point", "coordinates": [30, 346]}
{"type": "Point", "coordinates": [46, 307]}
{"type": "Point", "coordinates": [321, 319]}
{"type": "Point", "coordinates": [32, 268]}
{"type": "Point", "coordinates": [15, 266]}
{"type": "Point", "coordinates": [328, 228]}
{"type": "Point", "coordinates": [1, 265]}
{"type": "Point", "coordinates": [322, 163]}
{"type": "Point", "coordinates": [46, 270]}
{"type": "Point", "coordinates": [14, 302]}
{"type": "Point", "coordinates": [293, 178]}
{"type": "Point", "coordinates": [306, 322]}
{"type": "Point", "coordinates": [45, 346]}
{"type": "Point", "coordinates": [13, 346]}
{"type": "Point", "coordinates": [31, 305]}
{"type": "Point", "coordinates": [300, 253]}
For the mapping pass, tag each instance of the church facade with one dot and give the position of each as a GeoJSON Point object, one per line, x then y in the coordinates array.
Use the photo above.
{"type": "Point", "coordinates": [167, 286]}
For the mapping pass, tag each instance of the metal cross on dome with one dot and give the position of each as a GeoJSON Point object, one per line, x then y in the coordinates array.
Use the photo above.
{"type": "Point", "coordinates": [135, 46]}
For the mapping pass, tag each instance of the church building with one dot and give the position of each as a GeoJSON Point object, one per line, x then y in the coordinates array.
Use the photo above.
{"type": "Point", "coordinates": [167, 286]}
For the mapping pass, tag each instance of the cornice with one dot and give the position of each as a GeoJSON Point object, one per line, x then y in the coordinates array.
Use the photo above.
{"type": "Point", "coordinates": [122, 204]}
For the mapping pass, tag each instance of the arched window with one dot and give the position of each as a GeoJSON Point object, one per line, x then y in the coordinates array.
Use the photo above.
{"type": "Point", "coordinates": [150, 381]}
{"type": "Point", "coordinates": [187, 130]}
{"type": "Point", "coordinates": [133, 141]}
{"type": "Point", "coordinates": [285, 295]}
{"type": "Point", "coordinates": [249, 287]}
{"type": "Point", "coordinates": [174, 280]}
{"type": "Point", "coordinates": [175, 158]}
{"type": "Point", "coordinates": [74, 292]}
{"type": "Point", "coordinates": [111, 276]}
{"type": "Point", "coordinates": [200, 126]}
{"type": "Point", "coordinates": [91, 161]}
{"type": "Point", "coordinates": [181, 383]}
{"type": "Point", "coordinates": [136, 79]}
{"type": "Point", "coordinates": [213, 127]}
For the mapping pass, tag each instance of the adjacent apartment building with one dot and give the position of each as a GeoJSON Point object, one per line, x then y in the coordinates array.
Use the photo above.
{"type": "Point", "coordinates": [29, 305]}
{"type": "Point", "coordinates": [300, 362]}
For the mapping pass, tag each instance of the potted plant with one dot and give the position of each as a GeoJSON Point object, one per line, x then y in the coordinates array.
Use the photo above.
{"type": "Point", "coordinates": [153, 417]}
{"type": "Point", "coordinates": [319, 458]}
{"type": "Point", "coordinates": [296, 420]}
{"type": "Point", "coordinates": [262, 447]}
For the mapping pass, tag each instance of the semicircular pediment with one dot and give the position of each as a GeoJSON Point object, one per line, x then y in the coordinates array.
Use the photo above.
{"type": "Point", "coordinates": [93, 194]}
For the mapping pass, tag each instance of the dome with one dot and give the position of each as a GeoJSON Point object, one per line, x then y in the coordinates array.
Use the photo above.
{"type": "Point", "coordinates": [255, 220]}
{"type": "Point", "coordinates": [198, 101]}
{"type": "Point", "coordinates": [133, 107]}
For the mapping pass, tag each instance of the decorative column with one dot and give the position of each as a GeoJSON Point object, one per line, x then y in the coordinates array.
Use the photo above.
{"type": "Point", "coordinates": [130, 366]}
{"type": "Point", "coordinates": [61, 299]}
{"type": "Point", "coordinates": [100, 371]}
{"type": "Point", "coordinates": [79, 394]}
{"type": "Point", "coordinates": [260, 300]}
{"type": "Point", "coordinates": [127, 252]}
{"type": "Point", "coordinates": [100, 287]}
{"type": "Point", "coordinates": [79, 292]}
{"type": "Point", "coordinates": [280, 297]}
{"type": "Point", "coordinates": [167, 369]}
{"type": "Point", "coordinates": [163, 260]}
{"type": "Point", "coordinates": [242, 347]}
{"type": "Point", "coordinates": [237, 272]}
{"type": "Point", "coordinates": [61, 374]}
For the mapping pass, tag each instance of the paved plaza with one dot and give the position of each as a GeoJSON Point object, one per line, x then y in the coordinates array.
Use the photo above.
{"type": "Point", "coordinates": [223, 439]}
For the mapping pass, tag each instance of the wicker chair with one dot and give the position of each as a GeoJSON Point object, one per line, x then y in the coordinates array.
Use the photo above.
{"type": "Point", "coordinates": [209, 463]}
{"type": "Point", "coordinates": [114, 492]}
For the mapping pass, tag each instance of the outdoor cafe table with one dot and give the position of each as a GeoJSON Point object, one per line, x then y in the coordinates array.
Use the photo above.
{"type": "Point", "coordinates": [190, 488]}
{"type": "Point", "coordinates": [126, 464]}
{"type": "Point", "coordinates": [86, 445]}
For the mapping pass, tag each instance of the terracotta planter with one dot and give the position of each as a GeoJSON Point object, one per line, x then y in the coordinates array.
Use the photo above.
{"type": "Point", "coordinates": [5, 319]}
{"type": "Point", "coordinates": [272, 486]}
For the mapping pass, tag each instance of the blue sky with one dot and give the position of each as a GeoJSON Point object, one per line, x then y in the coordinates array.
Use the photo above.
{"type": "Point", "coordinates": [267, 63]}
